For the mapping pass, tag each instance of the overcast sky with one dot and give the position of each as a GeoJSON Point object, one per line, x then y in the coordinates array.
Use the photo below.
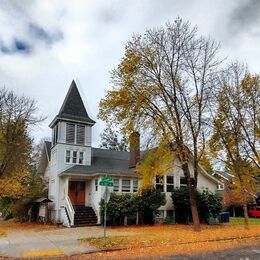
{"type": "Point", "coordinates": [46, 44]}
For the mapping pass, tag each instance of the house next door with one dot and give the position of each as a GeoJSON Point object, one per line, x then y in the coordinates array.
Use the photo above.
{"type": "Point", "coordinates": [77, 192]}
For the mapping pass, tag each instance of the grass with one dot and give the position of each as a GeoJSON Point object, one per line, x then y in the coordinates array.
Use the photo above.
{"type": "Point", "coordinates": [240, 221]}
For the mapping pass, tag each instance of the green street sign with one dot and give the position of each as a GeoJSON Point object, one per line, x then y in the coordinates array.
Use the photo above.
{"type": "Point", "coordinates": [106, 183]}
{"type": "Point", "coordinates": [107, 179]}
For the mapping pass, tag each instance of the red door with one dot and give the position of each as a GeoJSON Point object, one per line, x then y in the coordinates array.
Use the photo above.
{"type": "Point", "coordinates": [77, 192]}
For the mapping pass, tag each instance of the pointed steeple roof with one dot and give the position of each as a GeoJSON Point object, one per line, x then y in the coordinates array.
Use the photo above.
{"type": "Point", "coordinates": [73, 107]}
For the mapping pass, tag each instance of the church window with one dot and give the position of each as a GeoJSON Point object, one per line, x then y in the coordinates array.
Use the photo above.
{"type": "Point", "coordinates": [67, 156]}
{"type": "Point", "coordinates": [81, 154]}
{"type": "Point", "coordinates": [169, 183]}
{"type": "Point", "coordinates": [160, 183]}
{"type": "Point", "coordinates": [116, 185]}
{"type": "Point", "coordinates": [126, 185]}
{"type": "Point", "coordinates": [135, 185]}
{"type": "Point", "coordinates": [74, 157]}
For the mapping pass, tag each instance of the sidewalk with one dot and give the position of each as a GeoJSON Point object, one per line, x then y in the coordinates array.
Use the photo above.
{"type": "Point", "coordinates": [57, 242]}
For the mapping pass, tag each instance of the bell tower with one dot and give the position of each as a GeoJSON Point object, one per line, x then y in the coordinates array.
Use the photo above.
{"type": "Point", "coordinates": [71, 132]}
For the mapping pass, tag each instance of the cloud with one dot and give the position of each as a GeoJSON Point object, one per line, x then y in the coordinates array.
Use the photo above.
{"type": "Point", "coordinates": [17, 46]}
{"type": "Point", "coordinates": [40, 33]}
{"type": "Point", "coordinates": [245, 18]}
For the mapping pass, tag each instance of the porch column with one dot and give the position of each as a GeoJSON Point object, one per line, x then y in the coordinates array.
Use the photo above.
{"type": "Point", "coordinates": [66, 187]}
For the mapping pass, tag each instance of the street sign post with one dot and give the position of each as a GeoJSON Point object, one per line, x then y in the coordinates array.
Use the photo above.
{"type": "Point", "coordinates": [107, 182]}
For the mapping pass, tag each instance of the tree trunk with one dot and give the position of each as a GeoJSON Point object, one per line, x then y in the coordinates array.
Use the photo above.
{"type": "Point", "coordinates": [194, 210]}
{"type": "Point", "coordinates": [246, 218]}
{"type": "Point", "coordinates": [192, 197]}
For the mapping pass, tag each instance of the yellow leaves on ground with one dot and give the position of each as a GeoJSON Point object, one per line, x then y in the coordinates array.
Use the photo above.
{"type": "Point", "coordinates": [2, 232]}
{"type": "Point", "coordinates": [177, 239]}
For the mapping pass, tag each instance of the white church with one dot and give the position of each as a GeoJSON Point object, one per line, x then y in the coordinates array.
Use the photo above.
{"type": "Point", "coordinates": [73, 168]}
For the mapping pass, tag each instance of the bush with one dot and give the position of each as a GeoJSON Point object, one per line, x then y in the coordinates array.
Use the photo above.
{"type": "Point", "coordinates": [208, 204]}
{"type": "Point", "coordinates": [148, 202]}
{"type": "Point", "coordinates": [120, 206]}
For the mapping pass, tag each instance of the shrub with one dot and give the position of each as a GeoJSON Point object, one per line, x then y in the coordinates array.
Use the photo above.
{"type": "Point", "coordinates": [148, 202]}
{"type": "Point", "coordinates": [209, 205]}
{"type": "Point", "coordinates": [118, 207]}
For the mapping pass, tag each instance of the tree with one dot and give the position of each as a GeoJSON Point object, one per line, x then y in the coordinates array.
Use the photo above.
{"type": "Point", "coordinates": [161, 88]}
{"type": "Point", "coordinates": [111, 141]}
{"type": "Point", "coordinates": [236, 129]}
{"type": "Point", "coordinates": [17, 116]}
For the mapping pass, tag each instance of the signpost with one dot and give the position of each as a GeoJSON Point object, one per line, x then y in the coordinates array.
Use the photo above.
{"type": "Point", "coordinates": [107, 182]}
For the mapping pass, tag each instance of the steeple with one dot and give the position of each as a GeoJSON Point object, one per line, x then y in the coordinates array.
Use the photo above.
{"type": "Point", "coordinates": [73, 108]}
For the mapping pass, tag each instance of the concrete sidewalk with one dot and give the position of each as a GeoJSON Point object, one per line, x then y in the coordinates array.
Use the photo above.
{"type": "Point", "coordinates": [64, 241]}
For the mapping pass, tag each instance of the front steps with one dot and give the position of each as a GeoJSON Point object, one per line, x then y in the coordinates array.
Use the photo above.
{"type": "Point", "coordinates": [84, 216]}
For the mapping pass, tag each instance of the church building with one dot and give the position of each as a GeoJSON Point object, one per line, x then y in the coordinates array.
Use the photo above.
{"type": "Point", "coordinates": [73, 168]}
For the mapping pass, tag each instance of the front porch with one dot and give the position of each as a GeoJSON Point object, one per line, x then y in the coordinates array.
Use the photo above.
{"type": "Point", "coordinates": [77, 207]}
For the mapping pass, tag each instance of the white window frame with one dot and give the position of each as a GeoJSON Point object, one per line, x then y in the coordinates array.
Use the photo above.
{"type": "Point", "coordinates": [71, 157]}
{"type": "Point", "coordinates": [160, 183]}
{"type": "Point", "coordinates": [122, 186]}
{"type": "Point", "coordinates": [67, 156]}
{"type": "Point", "coordinates": [118, 186]}
{"type": "Point", "coordinates": [81, 160]}
{"type": "Point", "coordinates": [169, 184]}
{"type": "Point", "coordinates": [133, 180]}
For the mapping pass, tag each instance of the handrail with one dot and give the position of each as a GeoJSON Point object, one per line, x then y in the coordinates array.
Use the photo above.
{"type": "Point", "coordinates": [70, 210]}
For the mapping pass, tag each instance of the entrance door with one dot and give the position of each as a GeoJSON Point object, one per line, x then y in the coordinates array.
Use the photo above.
{"type": "Point", "coordinates": [77, 192]}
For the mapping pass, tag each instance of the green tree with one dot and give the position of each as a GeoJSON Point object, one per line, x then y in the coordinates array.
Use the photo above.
{"type": "Point", "coordinates": [110, 140]}
{"type": "Point", "coordinates": [161, 89]}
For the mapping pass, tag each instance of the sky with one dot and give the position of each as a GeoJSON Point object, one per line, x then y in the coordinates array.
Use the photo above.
{"type": "Point", "coordinates": [44, 45]}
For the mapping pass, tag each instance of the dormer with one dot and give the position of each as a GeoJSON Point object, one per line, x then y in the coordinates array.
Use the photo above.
{"type": "Point", "coordinates": [71, 127]}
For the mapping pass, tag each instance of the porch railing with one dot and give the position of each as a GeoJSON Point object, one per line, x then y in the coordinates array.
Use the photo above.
{"type": "Point", "coordinates": [70, 210]}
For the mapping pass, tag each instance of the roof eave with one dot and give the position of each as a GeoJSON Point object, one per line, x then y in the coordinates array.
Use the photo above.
{"type": "Point", "coordinates": [58, 118]}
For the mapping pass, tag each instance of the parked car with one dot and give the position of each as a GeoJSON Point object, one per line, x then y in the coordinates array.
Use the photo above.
{"type": "Point", "coordinates": [254, 211]}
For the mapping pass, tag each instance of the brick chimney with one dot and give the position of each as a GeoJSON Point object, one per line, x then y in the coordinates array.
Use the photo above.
{"type": "Point", "coordinates": [134, 149]}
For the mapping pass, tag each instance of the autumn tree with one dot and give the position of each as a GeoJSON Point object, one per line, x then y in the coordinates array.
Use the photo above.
{"type": "Point", "coordinates": [236, 129]}
{"type": "Point", "coordinates": [17, 116]}
{"type": "Point", "coordinates": [161, 88]}
{"type": "Point", "coordinates": [110, 139]}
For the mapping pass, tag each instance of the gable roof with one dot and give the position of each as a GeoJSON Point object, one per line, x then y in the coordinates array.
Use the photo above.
{"type": "Point", "coordinates": [73, 108]}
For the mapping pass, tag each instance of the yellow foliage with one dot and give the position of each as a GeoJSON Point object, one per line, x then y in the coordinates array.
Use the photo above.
{"type": "Point", "coordinates": [14, 186]}
{"type": "Point", "coordinates": [158, 161]}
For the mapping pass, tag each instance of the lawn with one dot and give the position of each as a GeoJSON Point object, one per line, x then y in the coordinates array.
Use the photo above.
{"type": "Point", "coordinates": [175, 239]}
{"type": "Point", "coordinates": [240, 220]}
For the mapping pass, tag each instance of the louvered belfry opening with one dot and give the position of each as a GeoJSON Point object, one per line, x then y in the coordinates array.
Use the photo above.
{"type": "Point", "coordinates": [80, 137]}
{"type": "Point", "coordinates": [70, 133]}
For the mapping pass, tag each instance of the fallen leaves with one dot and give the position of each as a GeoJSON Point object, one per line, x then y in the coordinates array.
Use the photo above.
{"type": "Point", "coordinates": [166, 240]}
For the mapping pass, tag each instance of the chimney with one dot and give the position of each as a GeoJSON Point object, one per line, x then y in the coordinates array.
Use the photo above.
{"type": "Point", "coordinates": [134, 149]}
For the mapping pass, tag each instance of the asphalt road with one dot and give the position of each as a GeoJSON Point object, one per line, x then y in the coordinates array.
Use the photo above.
{"type": "Point", "coordinates": [242, 253]}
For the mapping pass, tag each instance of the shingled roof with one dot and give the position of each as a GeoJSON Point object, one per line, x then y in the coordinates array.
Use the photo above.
{"type": "Point", "coordinates": [73, 107]}
{"type": "Point", "coordinates": [104, 161]}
